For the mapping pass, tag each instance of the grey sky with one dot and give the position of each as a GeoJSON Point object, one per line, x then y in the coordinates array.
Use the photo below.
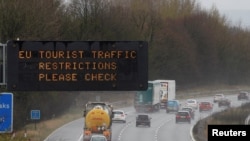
{"type": "Point", "coordinates": [236, 11]}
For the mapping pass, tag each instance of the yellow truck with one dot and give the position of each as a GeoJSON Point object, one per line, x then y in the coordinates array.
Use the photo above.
{"type": "Point", "coordinates": [98, 120]}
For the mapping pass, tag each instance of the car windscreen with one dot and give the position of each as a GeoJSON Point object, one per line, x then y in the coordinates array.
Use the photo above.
{"type": "Point", "coordinates": [205, 103]}
{"type": "Point", "coordinates": [182, 113]}
{"type": "Point", "coordinates": [118, 112]}
{"type": "Point", "coordinates": [190, 101]}
{"type": "Point", "coordinates": [143, 117]}
{"type": "Point", "coordinates": [187, 109]}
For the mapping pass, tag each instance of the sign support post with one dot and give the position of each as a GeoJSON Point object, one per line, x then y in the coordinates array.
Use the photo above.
{"type": "Point", "coordinates": [35, 115]}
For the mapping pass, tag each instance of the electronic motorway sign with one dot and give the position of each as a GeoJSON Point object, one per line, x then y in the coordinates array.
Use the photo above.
{"type": "Point", "coordinates": [77, 65]}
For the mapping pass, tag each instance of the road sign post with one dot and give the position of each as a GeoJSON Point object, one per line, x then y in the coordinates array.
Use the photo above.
{"type": "Point", "coordinates": [2, 63]}
{"type": "Point", "coordinates": [35, 115]}
{"type": "Point", "coordinates": [6, 112]}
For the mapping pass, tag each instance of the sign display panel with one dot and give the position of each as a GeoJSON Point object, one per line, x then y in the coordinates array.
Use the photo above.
{"type": "Point", "coordinates": [77, 65]}
{"type": "Point", "coordinates": [35, 114]}
{"type": "Point", "coordinates": [6, 112]}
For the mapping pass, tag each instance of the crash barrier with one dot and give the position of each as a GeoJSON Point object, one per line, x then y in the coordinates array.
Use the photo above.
{"type": "Point", "coordinates": [247, 121]}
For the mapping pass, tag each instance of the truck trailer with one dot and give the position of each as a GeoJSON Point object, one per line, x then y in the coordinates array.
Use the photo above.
{"type": "Point", "coordinates": [148, 100]}
{"type": "Point", "coordinates": [156, 96]}
{"type": "Point", "coordinates": [167, 91]}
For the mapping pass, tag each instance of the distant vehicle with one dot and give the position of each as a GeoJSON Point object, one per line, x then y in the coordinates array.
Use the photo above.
{"type": "Point", "coordinates": [143, 120]}
{"type": "Point", "coordinates": [190, 110]}
{"type": "Point", "coordinates": [119, 115]}
{"type": "Point", "coordinates": [182, 116]}
{"type": "Point", "coordinates": [243, 95]}
{"type": "Point", "coordinates": [205, 106]}
{"type": "Point", "coordinates": [98, 138]}
{"type": "Point", "coordinates": [172, 106]}
{"type": "Point", "coordinates": [192, 103]}
{"type": "Point", "coordinates": [224, 102]}
{"type": "Point", "coordinates": [155, 97]}
{"type": "Point", "coordinates": [217, 97]}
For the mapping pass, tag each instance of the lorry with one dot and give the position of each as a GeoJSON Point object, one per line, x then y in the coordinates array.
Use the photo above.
{"type": "Point", "coordinates": [98, 120]}
{"type": "Point", "coordinates": [156, 96]}
{"type": "Point", "coordinates": [167, 91]}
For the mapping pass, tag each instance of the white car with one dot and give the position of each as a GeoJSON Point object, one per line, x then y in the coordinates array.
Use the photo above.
{"type": "Point", "coordinates": [192, 103]}
{"type": "Point", "coordinates": [98, 138]}
{"type": "Point", "coordinates": [119, 115]}
{"type": "Point", "coordinates": [218, 97]}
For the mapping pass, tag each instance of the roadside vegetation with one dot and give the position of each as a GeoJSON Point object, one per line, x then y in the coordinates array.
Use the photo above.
{"type": "Point", "coordinates": [193, 46]}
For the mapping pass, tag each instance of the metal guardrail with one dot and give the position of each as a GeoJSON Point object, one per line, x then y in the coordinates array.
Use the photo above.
{"type": "Point", "coordinates": [191, 134]}
{"type": "Point", "coordinates": [247, 121]}
{"type": "Point", "coordinates": [3, 57]}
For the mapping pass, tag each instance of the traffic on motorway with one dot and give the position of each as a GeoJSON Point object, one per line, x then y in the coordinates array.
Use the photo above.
{"type": "Point", "coordinates": [147, 123]}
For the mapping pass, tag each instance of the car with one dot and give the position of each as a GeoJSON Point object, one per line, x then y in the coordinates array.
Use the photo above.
{"type": "Point", "coordinates": [190, 110]}
{"type": "Point", "coordinates": [224, 102]}
{"type": "Point", "coordinates": [172, 106]}
{"type": "Point", "coordinates": [98, 138]}
{"type": "Point", "coordinates": [182, 116]}
{"type": "Point", "coordinates": [143, 119]}
{"type": "Point", "coordinates": [243, 95]}
{"type": "Point", "coordinates": [192, 103]}
{"type": "Point", "coordinates": [205, 106]}
{"type": "Point", "coordinates": [217, 97]}
{"type": "Point", "coordinates": [119, 116]}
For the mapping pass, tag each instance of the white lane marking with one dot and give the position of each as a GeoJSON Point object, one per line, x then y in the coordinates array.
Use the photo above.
{"type": "Point", "coordinates": [157, 130]}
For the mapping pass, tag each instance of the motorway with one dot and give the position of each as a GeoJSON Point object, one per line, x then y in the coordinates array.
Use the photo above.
{"type": "Point", "coordinates": [163, 126]}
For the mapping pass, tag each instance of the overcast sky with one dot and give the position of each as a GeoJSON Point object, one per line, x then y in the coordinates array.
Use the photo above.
{"type": "Point", "coordinates": [237, 11]}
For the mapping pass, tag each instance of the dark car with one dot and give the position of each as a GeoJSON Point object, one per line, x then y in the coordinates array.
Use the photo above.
{"type": "Point", "coordinates": [143, 120]}
{"type": "Point", "coordinates": [172, 106]}
{"type": "Point", "coordinates": [224, 102]}
{"type": "Point", "coordinates": [243, 95]}
{"type": "Point", "coordinates": [190, 110]}
{"type": "Point", "coordinates": [182, 116]}
{"type": "Point", "coordinates": [205, 106]}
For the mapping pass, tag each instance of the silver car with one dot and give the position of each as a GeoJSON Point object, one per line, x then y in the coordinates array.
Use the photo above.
{"type": "Point", "coordinates": [98, 138]}
{"type": "Point", "coordinates": [192, 103]}
{"type": "Point", "coordinates": [119, 115]}
{"type": "Point", "coordinates": [218, 97]}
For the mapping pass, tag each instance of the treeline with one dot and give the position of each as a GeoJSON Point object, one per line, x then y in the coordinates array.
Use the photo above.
{"type": "Point", "coordinates": [186, 43]}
